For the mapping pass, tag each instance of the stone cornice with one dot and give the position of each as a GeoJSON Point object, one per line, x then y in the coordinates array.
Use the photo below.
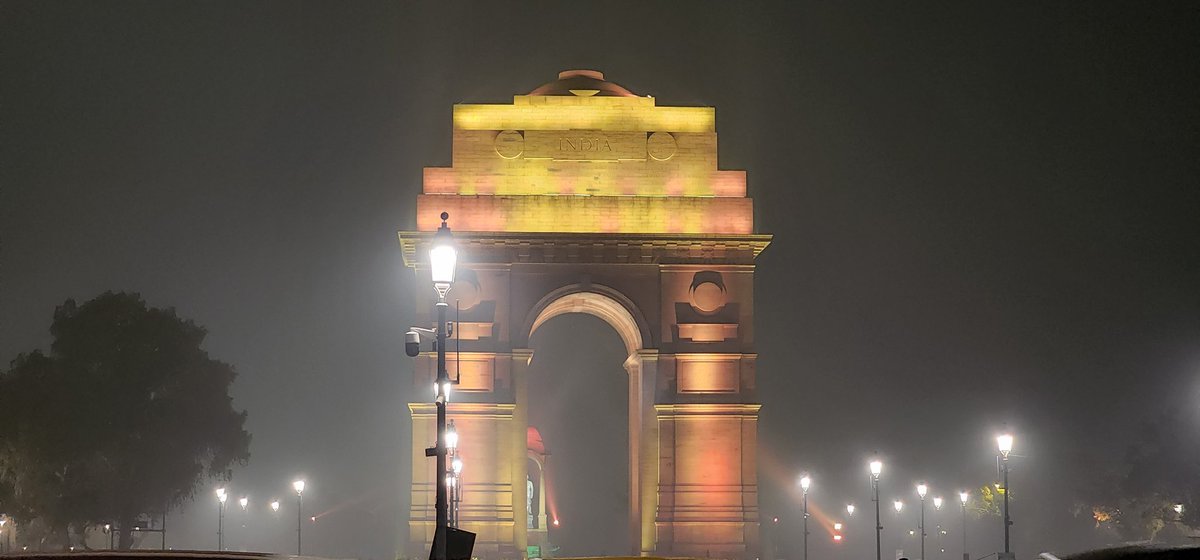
{"type": "Point", "coordinates": [615, 248]}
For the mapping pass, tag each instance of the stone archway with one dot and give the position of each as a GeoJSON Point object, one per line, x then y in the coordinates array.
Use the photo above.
{"type": "Point", "coordinates": [620, 313]}
{"type": "Point", "coordinates": [582, 197]}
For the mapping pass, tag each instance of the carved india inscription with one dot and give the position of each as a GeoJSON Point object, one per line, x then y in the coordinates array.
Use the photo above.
{"type": "Point", "coordinates": [580, 145]}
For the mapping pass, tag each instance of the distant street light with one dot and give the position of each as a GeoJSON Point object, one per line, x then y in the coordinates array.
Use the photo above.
{"type": "Point", "coordinates": [456, 468]}
{"type": "Point", "coordinates": [274, 506]}
{"type": "Point", "coordinates": [937, 503]}
{"type": "Point", "coordinates": [849, 510]}
{"type": "Point", "coordinates": [1004, 443]}
{"type": "Point", "coordinates": [805, 482]}
{"type": "Point", "coordinates": [962, 499]}
{"type": "Point", "coordinates": [451, 437]}
{"type": "Point", "coordinates": [922, 490]}
{"type": "Point", "coordinates": [221, 497]}
{"type": "Point", "coordinates": [244, 501]}
{"type": "Point", "coordinates": [298, 485]}
{"type": "Point", "coordinates": [876, 470]}
{"type": "Point", "coordinates": [899, 505]}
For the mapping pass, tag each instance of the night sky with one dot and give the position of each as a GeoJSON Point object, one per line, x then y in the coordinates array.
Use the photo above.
{"type": "Point", "coordinates": [984, 215]}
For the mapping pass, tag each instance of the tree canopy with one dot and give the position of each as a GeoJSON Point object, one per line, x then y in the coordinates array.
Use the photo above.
{"type": "Point", "coordinates": [125, 417]}
{"type": "Point", "coordinates": [1153, 491]}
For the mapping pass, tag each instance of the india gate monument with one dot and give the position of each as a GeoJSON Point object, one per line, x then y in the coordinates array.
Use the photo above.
{"type": "Point", "coordinates": [584, 197]}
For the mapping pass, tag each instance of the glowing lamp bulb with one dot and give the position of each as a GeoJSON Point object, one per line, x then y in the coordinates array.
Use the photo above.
{"type": "Point", "coordinates": [275, 505]}
{"type": "Point", "coordinates": [243, 501]}
{"type": "Point", "coordinates": [556, 523]}
{"type": "Point", "coordinates": [898, 505]}
{"type": "Point", "coordinates": [850, 509]}
{"type": "Point", "coordinates": [837, 526]}
{"type": "Point", "coordinates": [298, 485]}
{"type": "Point", "coordinates": [1178, 508]}
{"type": "Point", "coordinates": [1004, 442]}
{"type": "Point", "coordinates": [876, 468]}
{"type": "Point", "coordinates": [962, 497]}
{"type": "Point", "coordinates": [922, 489]}
{"type": "Point", "coordinates": [442, 258]}
{"type": "Point", "coordinates": [937, 502]}
{"type": "Point", "coordinates": [457, 466]}
{"type": "Point", "coordinates": [451, 436]}
{"type": "Point", "coordinates": [805, 482]}
{"type": "Point", "coordinates": [837, 538]}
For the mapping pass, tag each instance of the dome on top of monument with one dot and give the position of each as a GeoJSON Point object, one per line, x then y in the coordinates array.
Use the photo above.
{"type": "Point", "coordinates": [582, 83]}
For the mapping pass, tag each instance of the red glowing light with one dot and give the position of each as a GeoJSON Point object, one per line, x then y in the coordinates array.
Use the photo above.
{"type": "Point", "coordinates": [837, 538]}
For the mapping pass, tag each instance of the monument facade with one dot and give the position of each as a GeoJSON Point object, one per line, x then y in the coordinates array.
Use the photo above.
{"type": "Point", "coordinates": [582, 197]}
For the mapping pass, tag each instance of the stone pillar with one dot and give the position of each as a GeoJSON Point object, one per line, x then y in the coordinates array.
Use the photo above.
{"type": "Point", "coordinates": [643, 448]}
{"type": "Point", "coordinates": [708, 487]}
{"type": "Point", "coordinates": [487, 508]}
{"type": "Point", "coordinates": [521, 358]}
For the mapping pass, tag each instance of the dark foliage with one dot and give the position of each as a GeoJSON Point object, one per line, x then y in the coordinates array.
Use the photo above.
{"type": "Point", "coordinates": [125, 417]}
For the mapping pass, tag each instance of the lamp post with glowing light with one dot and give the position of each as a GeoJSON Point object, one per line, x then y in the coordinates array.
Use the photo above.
{"type": "Point", "coordinates": [274, 506]}
{"type": "Point", "coordinates": [298, 486]}
{"type": "Point", "coordinates": [937, 506]}
{"type": "Point", "coordinates": [1004, 443]}
{"type": "Point", "coordinates": [849, 510]}
{"type": "Point", "coordinates": [443, 258]}
{"type": "Point", "coordinates": [221, 497]}
{"type": "Point", "coordinates": [962, 499]}
{"type": "Point", "coordinates": [805, 482]}
{"type": "Point", "coordinates": [452, 473]}
{"type": "Point", "coordinates": [456, 468]}
{"type": "Point", "coordinates": [876, 470]}
{"type": "Point", "coordinates": [922, 489]}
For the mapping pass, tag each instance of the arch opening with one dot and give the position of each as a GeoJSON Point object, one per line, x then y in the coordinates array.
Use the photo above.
{"type": "Point", "coordinates": [598, 302]}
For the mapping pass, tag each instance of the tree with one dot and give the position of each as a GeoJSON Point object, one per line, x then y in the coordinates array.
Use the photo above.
{"type": "Point", "coordinates": [1138, 497]}
{"type": "Point", "coordinates": [126, 417]}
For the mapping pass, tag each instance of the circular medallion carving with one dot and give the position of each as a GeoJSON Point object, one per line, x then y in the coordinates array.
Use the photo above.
{"type": "Point", "coordinates": [661, 146]}
{"type": "Point", "coordinates": [510, 144]}
{"type": "Point", "coordinates": [708, 297]}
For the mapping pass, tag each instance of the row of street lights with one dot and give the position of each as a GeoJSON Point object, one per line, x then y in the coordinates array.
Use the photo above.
{"type": "Point", "coordinates": [244, 501]}
{"type": "Point", "coordinates": [1004, 444]}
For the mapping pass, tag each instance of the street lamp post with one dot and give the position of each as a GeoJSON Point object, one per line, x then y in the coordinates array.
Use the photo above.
{"type": "Point", "coordinates": [442, 260]}
{"type": "Point", "coordinates": [805, 482]}
{"type": "Point", "coordinates": [1005, 442]}
{"type": "Point", "coordinates": [451, 473]}
{"type": "Point", "coordinates": [876, 470]}
{"type": "Point", "coordinates": [962, 499]}
{"type": "Point", "coordinates": [456, 467]}
{"type": "Point", "coordinates": [298, 486]}
{"type": "Point", "coordinates": [937, 506]}
{"type": "Point", "coordinates": [922, 489]}
{"type": "Point", "coordinates": [221, 497]}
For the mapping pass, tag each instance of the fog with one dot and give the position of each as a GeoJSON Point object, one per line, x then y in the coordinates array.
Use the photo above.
{"type": "Point", "coordinates": [985, 219]}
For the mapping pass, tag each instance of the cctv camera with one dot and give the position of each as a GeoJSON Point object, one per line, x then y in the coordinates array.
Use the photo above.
{"type": "Point", "coordinates": [412, 343]}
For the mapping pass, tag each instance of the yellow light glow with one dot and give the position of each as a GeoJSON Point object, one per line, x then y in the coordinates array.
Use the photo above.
{"type": "Point", "coordinates": [591, 113]}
